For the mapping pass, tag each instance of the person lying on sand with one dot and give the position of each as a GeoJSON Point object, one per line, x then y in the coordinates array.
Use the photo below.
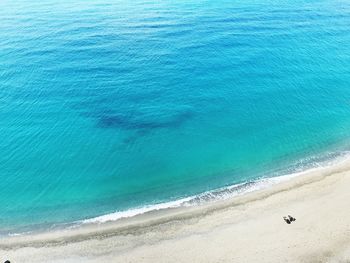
{"type": "Point", "coordinates": [287, 220]}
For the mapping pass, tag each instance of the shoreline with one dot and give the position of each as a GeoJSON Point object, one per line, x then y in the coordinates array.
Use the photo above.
{"type": "Point", "coordinates": [202, 199]}
{"type": "Point", "coordinates": [173, 229]}
{"type": "Point", "coordinates": [206, 198]}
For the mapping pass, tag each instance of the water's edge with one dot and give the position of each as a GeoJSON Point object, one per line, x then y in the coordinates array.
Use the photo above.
{"type": "Point", "coordinates": [208, 198]}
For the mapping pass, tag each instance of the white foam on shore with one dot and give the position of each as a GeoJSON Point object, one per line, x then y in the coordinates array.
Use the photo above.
{"type": "Point", "coordinates": [313, 165]}
{"type": "Point", "coordinates": [136, 211]}
{"type": "Point", "coordinates": [334, 161]}
{"type": "Point", "coordinates": [216, 194]}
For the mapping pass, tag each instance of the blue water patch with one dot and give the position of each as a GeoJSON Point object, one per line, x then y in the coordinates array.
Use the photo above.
{"type": "Point", "coordinates": [112, 105]}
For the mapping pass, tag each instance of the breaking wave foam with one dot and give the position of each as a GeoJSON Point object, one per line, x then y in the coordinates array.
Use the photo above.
{"type": "Point", "coordinates": [224, 193]}
{"type": "Point", "coordinates": [209, 196]}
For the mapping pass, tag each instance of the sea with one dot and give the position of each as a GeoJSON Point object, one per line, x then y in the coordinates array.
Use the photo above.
{"type": "Point", "coordinates": [112, 108]}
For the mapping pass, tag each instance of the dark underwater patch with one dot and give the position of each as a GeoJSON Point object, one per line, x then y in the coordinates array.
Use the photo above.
{"type": "Point", "coordinates": [142, 125]}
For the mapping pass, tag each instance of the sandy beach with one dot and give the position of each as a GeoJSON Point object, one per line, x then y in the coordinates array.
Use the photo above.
{"type": "Point", "coordinates": [248, 228]}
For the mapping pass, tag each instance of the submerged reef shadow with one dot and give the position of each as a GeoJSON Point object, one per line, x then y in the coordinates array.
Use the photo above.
{"type": "Point", "coordinates": [139, 114]}
{"type": "Point", "coordinates": [143, 125]}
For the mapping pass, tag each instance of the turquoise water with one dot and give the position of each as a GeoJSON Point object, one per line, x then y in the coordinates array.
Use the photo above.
{"type": "Point", "coordinates": [111, 105]}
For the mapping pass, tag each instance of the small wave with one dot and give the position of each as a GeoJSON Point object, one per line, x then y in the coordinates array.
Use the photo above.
{"type": "Point", "coordinates": [224, 193]}
{"type": "Point", "coordinates": [311, 164]}
{"type": "Point", "coordinates": [136, 211]}
{"type": "Point", "coordinates": [209, 196]}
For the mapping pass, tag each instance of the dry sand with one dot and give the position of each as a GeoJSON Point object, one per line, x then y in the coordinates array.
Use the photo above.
{"type": "Point", "coordinates": [249, 228]}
